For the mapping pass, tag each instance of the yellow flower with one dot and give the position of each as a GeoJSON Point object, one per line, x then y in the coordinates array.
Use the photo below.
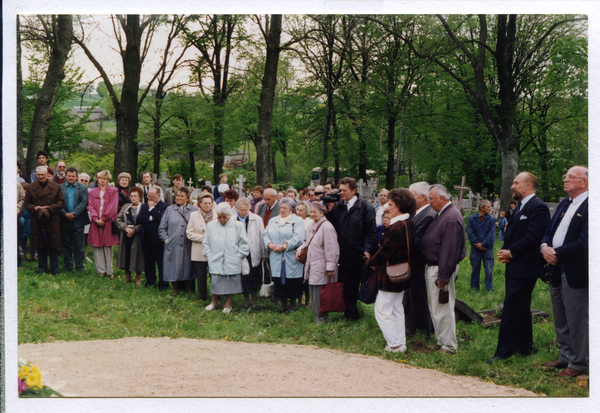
{"type": "Point", "coordinates": [24, 371]}
{"type": "Point", "coordinates": [34, 380]}
{"type": "Point", "coordinates": [36, 370]}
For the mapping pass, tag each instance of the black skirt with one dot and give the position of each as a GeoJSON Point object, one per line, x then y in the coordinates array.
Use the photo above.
{"type": "Point", "coordinates": [252, 282]}
{"type": "Point", "coordinates": [291, 289]}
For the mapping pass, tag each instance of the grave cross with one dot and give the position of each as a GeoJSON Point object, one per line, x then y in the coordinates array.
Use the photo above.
{"type": "Point", "coordinates": [360, 185]}
{"type": "Point", "coordinates": [241, 181]}
{"type": "Point", "coordinates": [154, 178]}
{"type": "Point", "coordinates": [371, 187]}
{"type": "Point", "coordinates": [191, 183]}
{"type": "Point", "coordinates": [462, 187]}
{"type": "Point", "coordinates": [164, 181]}
{"type": "Point", "coordinates": [470, 195]}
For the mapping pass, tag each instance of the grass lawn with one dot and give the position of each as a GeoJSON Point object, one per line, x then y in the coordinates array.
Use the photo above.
{"type": "Point", "coordinates": [87, 101]}
{"type": "Point", "coordinates": [83, 306]}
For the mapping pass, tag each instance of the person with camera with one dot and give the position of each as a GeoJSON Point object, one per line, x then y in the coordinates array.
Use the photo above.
{"type": "Point", "coordinates": [354, 221]}
{"type": "Point", "coordinates": [565, 249]}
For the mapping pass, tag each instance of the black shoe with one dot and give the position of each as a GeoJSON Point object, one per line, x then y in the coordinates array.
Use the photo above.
{"type": "Point", "coordinates": [246, 307]}
{"type": "Point", "coordinates": [493, 359]}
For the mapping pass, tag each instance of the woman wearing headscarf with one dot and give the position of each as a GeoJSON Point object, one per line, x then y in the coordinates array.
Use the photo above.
{"type": "Point", "coordinates": [103, 201]}
{"type": "Point", "coordinates": [225, 244]}
{"type": "Point", "coordinates": [122, 184]}
{"type": "Point", "coordinates": [389, 311]}
{"type": "Point", "coordinates": [177, 261]}
{"type": "Point", "coordinates": [254, 227]}
{"type": "Point", "coordinates": [322, 258]}
{"type": "Point", "coordinates": [196, 230]}
{"type": "Point", "coordinates": [283, 235]}
{"type": "Point", "coordinates": [131, 257]}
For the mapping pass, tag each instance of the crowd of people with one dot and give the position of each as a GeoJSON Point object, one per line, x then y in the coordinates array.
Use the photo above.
{"type": "Point", "coordinates": [301, 243]}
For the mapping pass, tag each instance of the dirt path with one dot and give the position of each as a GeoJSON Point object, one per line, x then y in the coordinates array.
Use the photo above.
{"type": "Point", "coordinates": [161, 367]}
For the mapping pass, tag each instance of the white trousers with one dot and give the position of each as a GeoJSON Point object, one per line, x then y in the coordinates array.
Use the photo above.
{"type": "Point", "coordinates": [389, 313]}
{"type": "Point", "coordinates": [442, 315]}
{"type": "Point", "coordinates": [103, 258]}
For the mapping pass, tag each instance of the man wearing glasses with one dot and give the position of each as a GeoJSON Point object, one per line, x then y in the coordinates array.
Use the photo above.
{"type": "Point", "coordinates": [565, 248]}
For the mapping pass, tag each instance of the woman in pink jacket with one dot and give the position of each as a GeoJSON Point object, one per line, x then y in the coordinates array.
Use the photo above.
{"type": "Point", "coordinates": [103, 202]}
{"type": "Point", "coordinates": [322, 258]}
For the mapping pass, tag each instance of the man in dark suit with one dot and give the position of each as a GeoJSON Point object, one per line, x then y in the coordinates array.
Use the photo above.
{"type": "Point", "coordinates": [270, 208]}
{"type": "Point", "coordinates": [73, 218]}
{"type": "Point", "coordinates": [43, 200]}
{"type": "Point", "coordinates": [416, 307]}
{"type": "Point", "coordinates": [565, 249]}
{"type": "Point", "coordinates": [354, 221]}
{"type": "Point", "coordinates": [152, 247]}
{"type": "Point", "coordinates": [521, 254]}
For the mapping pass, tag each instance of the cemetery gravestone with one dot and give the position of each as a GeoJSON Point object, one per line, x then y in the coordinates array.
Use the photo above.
{"type": "Point", "coordinates": [164, 182]}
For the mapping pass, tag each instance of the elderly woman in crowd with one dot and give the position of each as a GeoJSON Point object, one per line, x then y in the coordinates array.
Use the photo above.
{"type": "Point", "coordinates": [103, 201]}
{"type": "Point", "coordinates": [177, 261]}
{"type": "Point", "coordinates": [231, 196]}
{"type": "Point", "coordinates": [196, 230]}
{"type": "Point", "coordinates": [225, 244]}
{"type": "Point", "coordinates": [254, 227]}
{"type": "Point", "coordinates": [122, 184]}
{"type": "Point", "coordinates": [131, 257]}
{"type": "Point", "coordinates": [283, 235]}
{"type": "Point", "coordinates": [303, 211]}
{"type": "Point", "coordinates": [322, 258]}
{"type": "Point", "coordinates": [389, 311]}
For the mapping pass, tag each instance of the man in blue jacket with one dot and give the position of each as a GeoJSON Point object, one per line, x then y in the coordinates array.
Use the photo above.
{"type": "Point", "coordinates": [73, 218]}
{"type": "Point", "coordinates": [481, 229]}
{"type": "Point", "coordinates": [565, 249]}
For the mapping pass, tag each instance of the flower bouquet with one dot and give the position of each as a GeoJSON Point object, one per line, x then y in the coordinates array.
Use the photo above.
{"type": "Point", "coordinates": [30, 382]}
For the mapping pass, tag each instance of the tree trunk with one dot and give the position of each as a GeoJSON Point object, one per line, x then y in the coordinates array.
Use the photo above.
{"type": "Point", "coordinates": [336, 150]}
{"type": "Point", "coordinates": [218, 149]}
{"type": "Point", "coordinates": [267, 97]}
{"type": "Point", "coordinates": [157, 146]}
{"type": "Point", "coordinates": [62, 40]}
{"type": "Point", "coordinates": [391, 141]}
{"type": "Point", "coordinates": [273, 154]}
{"type": "Point", "coordinates": [126, 112]}
{"type": "Point", "coordinates": [192, 167]}
{"type": "Point", "coordinates": [20, 154]}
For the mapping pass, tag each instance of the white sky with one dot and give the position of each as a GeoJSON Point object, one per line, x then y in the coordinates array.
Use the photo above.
{"type": "Point", "coordinates": [424, 405]}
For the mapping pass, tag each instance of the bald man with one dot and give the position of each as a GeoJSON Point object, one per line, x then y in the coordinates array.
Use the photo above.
{"type": "Point", "coordinates": [521, 254]}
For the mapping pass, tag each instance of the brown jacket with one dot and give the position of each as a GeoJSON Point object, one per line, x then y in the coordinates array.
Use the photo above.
{"type": "Point", "coordinates": [51, 196]}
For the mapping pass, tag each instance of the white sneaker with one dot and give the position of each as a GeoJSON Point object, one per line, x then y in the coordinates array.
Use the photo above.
{"type": "Point", "coordinates": [226, 310]}
{"type": "Point", "coordinates": [401, 349]}
{"type": "Point", "coordinates": [210, 307]}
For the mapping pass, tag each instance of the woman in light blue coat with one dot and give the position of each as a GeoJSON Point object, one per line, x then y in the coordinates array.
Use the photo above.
{"type": "Point", "coordinates": [225, 244]}
{"type": "Point", "coordinates": [282, 236]}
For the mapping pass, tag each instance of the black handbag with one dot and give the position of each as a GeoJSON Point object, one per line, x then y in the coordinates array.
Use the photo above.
{"type": "Point", "coordinates": [368, 293]}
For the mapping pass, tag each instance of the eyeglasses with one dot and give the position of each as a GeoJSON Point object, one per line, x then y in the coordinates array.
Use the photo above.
{"type": "Point", "coordinates": [571, 177]}
{"type": "Point", "coordinates": [84, 180]}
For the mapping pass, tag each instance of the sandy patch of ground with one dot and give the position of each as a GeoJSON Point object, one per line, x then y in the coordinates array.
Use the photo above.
{"type": "Point", "coordinates": [161, 367]}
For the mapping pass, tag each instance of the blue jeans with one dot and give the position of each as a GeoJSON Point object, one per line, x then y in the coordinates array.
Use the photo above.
{"type": "Point", "coordinates": [488, 265]}
{"type": "Point", "coordinates": [501, 235]}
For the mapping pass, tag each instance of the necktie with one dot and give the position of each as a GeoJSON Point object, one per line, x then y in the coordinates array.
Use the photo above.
{"type": "Point", "coordinates": [564, 211]}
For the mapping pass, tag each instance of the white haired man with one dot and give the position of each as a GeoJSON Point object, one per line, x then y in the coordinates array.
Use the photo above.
{"type": "Point", "coordinates": [443, 247]}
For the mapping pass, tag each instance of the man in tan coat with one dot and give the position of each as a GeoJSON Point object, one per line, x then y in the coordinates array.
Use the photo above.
{"type": "Point", "coordinates": [44, 200]}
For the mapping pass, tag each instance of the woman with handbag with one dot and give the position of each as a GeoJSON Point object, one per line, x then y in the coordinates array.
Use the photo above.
{"type": "Point", "coordinates": [393, 257]}
{"type": "Point", "coordinates": [254, 226]}
{"type": "Point", "coordinates": [130, 257]}
{"type": "Point", "coordinates": [103, 201]}
{"type": "Point", "coordinates": [177, 256]}
{"type": "Point", "coordinates": [321, 252]}
{"type": "Point", "coordinates": [225, 245]}
{"type": "Point", "coordinates": [196, 230]}
{"type": "Point", "coordinates": [283, 235]}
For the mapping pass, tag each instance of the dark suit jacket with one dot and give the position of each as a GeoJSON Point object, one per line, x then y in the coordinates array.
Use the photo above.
{"type": "Point", "coordinates": [421, 221]}
{"type": "Point", "coordinates": [80, 206]}
{"type": "Point", "coordinates": [523, 238]}
{"type": "Point", "coordinates": [150, 221]}
{"type": "Point", "coordinates": [51, 195]}
{"type": "Point", "coordinates": [262, 208]}
{"type": "Point", "coordinates": [573, 254]}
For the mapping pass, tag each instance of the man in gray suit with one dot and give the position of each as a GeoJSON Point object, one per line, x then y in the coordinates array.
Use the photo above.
{"type": "Point", "coordinates": [270, 208]}
{"type": "Point", "coordinates": [73, 218]}
{"type": "Point", "coordinates": [416, 308]}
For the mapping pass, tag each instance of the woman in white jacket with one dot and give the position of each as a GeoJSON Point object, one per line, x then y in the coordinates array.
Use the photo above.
{"type": "Point", "coordinates": [196, 230]}
{"type": "Point", "coordinates": [225, 244]}
{"type": "Point", "coordinates": [254, 226]}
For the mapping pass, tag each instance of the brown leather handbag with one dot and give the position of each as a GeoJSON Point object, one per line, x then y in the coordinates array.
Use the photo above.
{"type": "Point", "coordinates": [303, 256]}
{"type": "Point", "coordinates": [399, 273]}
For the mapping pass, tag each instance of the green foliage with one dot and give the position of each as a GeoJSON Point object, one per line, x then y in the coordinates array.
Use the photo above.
{"type": "Point", "coordinates": [89, 163]}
